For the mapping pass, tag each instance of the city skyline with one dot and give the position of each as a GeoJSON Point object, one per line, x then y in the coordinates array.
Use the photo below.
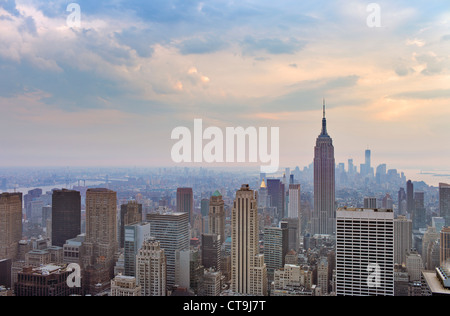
{"type": "Point", "coordinates": [230, 64]}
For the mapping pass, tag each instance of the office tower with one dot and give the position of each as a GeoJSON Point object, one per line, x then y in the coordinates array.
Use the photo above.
{"type": "Point", "coordinates": [370, 202]}
{"type": "Point", "coordinates": [324, 214]}
{"type": "Point", "coordinates": [402, 202]}
{"type": "Point", "coordinates": [10, 224]}
{"type": "Point", "coordinates": [294, 201]}
{"type": "Point", "coordinates": [444, 257]}
{"type": "Point", "coordinates": [387, 202]}
{"type": "Point", "coordinates": [248, 271]}
{"type": "Point", "coordinates": [368, 167]}
{"type": "Point", "coordinates": [171, 229]}
{"type": "Point", "coordinates": [410, 197]}
{"type": "Point", "coordinates": [381, 174]}
{"type": "Point", "coordinates": [47, 280]}
{"type": "Point", "coordinates": [414, 265]}
{"type": "Point", "coordinates": [211, 283]}
{"type": "Point", "coordinates": [100, 243]}
{"type": "Point", "coordinates": [188, 271]}
{"type": "Point", "coordinates": [402, 239]}
{"type": "Point", "coordinates": [217, 216]}
{"type": "Point", "coordinates": [66, 216]}
{"type": "Point", "coordinates": [323, 275]}
{"type": "Point", "coordinates": [275, 191]}
{"type": "Point", "coordinates": [151, 268]}
{"type": "Point", "coordinates": [419, 212]}
{"type": "Point", "coordinates": [130, 213]}
{"type": "Point", "coordinates": [276, 243]}
{"type": "Point", "coordinates": [444, 202]}
{"type": "Point", "coordinates": [435, 283]}
{"type": "Point", "coordinates": [364, 252]}
{"type": "Point", "coordinates": [263, 195]}
{"type": "Point", "coordinates": [135, 235]}
{"type": "Point", "coordinates": [211, 251]}
{"type": "Point", "coordinates": [28, 198]}
{"type": "Point", "coordinates": [204, 207]}
{"type": "Point", "coordinates": [123, 285]}
{"type": "Point", "coordinates": [185, 202]}
{"type": "Point", "coordinates": [351, 167]}
{"type": "Point", "coordinates": [294, 232]}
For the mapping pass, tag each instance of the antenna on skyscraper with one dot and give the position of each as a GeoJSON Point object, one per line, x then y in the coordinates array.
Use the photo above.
{"type": "Point", "coordinates": [323, 107]}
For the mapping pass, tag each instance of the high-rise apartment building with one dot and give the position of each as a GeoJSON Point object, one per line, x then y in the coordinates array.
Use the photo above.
{"type": "Point", "coordinates": [185, 202]}
{"type": "Point", "coordinates": [248, 270]}
{"type": "Point", "coordinates": [324, 215]}
{"type": "Point", "coordinates": [364, 252]}
{"type": "Point", "coordinates": [66, 216]}
{"type": "Point", "coordinates": [444, 202]}
{"type": "Point", "coordinates": [10, 224]}
{"type": "Point", "coordinates": [151, 269]}
{"type": "Point", "coordinates": [171, 229]}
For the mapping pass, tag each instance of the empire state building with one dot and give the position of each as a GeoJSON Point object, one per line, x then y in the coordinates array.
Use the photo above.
{"type": "Point", "coordinates": [324, 214]}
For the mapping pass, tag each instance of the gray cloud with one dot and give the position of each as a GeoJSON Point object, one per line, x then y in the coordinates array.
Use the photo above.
{"type": "Point", "coordinates": [275, 46]}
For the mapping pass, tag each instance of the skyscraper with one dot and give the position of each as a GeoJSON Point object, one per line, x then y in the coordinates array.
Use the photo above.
{"type": "Point", "coordinates": [276, 243]}
{"type": "Point", "coordinates": [419, 211]}
{"type": "Point", "coordinates": [217, 216]}
{"type": "Point", "coordinates": [324, 214]}
{"type": "Point", "coordinates": [66, 216]}
{"type": "Point", "coordinates": [151, 268]}
{"type": "Point", "coordinates": [100, 243]}
{"type": "Point", "coordinates": [135, 235]}
{"type": "Point", "coordinates": [402, 238]}
{"type": "Point", "coordinates": [171, 230]}
{"type": "Point", "coordinates": [444, 202]}
{"type": "Point", "coordinates": [402, 202]}
{"type": "Point", "coordinates": [444, 256]}
{"type": "Point", "coordinates": [185, 201]}
{"type": "Point", "coordinates": [130, 213]}
{"type": "Point", "coordinates": [10, 224]}
{"type": "Point", "coordinates": [275, 191]}
{"type": "Point", "coordinates": [294, 201]}
{"type": "Point", "coordinates": [364, 252]}
{"type": "Point", "coordinates": [370, 202]}
{"type": "Point", "coordinates": [248, 270]}
{"type": "Point", "coordinates": [410, 197]}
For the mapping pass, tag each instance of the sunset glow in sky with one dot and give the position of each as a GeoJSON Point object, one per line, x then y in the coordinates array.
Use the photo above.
{"type": "Point", "coordinates": [111, 91]}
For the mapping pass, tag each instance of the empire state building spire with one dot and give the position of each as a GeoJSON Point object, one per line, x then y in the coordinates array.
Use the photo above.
{"type": "Point", "coordinates": [324, 122]}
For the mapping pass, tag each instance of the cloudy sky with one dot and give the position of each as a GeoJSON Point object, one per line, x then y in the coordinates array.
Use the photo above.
{"type": "Point", "coordinates": [110, 90]}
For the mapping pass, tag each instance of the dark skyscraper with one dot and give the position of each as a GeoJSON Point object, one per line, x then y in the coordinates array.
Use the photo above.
{"type": "Point", "coordinates": [409, 197]}
{"type": "Point", "coordinates": [185, 201]}
{"type": "Point", "coordinates": [444, 202]}
{"type": "Point", "coordinates": [324, 215]}
{"type": "Point", "coordinates": [130, 213]}
{"type": "Point", "coordinates": [66, 216]}
{"type": "Point", "coordinates": [419, 214]}
{"type": "Point", "coordinates": [275, 189]}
